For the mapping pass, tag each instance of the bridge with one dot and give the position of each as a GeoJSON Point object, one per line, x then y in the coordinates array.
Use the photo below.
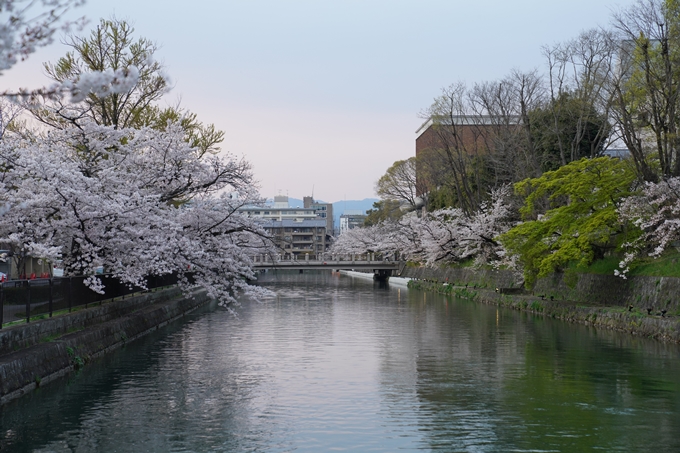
{"type": "Point", "coordinates": [382, 268]}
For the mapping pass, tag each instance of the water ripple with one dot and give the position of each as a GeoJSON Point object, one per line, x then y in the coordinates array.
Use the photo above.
{"type": "Point", "coordinates": [337, 364]}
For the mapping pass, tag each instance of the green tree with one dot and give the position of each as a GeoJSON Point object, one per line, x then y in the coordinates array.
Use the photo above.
{"type": "Point", "coordinates": [383, 210]}
{"type": "Point", "coordinates": [575, 120]}
{"type": "Point", "coordinates": [204, 138]}
{"type": "Point", "coordinates": [399, 183]}
{"type": "Point", "coordinates": [567, 129]}
{"type": "Point", "coordinates": [646, 103]}
{"type": "Point", "coordinates": [440, 198]}
{"type": "Point", "coordinates": [570, 216]}
{"type": "Point", "coordinates": [110, 46]}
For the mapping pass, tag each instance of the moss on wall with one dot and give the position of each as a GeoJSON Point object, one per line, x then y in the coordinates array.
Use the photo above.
{"type": "Point", "coordinates": [628, 318]}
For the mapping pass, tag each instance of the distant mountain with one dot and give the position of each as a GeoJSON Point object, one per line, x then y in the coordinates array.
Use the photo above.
{"type": "Point", "coordinates": [295, 203]}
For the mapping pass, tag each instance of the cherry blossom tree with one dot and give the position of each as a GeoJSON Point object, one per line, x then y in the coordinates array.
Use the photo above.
{"type": "Point", "coordinates": [26, 25]}
{"type": "Point", "coordinates": [360, 240]}
{"type": "Point", "coordinates": [440, 237]}
{"type": "Point", "coordinates": [9, 115]}
{"type": "Point", "coordinates": [450, 235]}
{"type": "Point", "coordinates": [137, 201]}
{"type": "Point", "coordinates": [115, 181]}
{"type": "Point", "coordinates": [111, 87]}
{"type": "Point", "coordinates": [656, 212]}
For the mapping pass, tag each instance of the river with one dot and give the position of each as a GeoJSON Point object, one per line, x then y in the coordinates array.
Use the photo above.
{"type": "Point", "coordinates": [334, 363]}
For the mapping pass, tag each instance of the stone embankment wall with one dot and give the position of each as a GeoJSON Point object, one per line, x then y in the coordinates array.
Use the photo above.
{"type": "Point", "coordinates": [657, 293]}
{"type": "Point", "coordinates": [570, 304]}
{"type": "Point", "coordinates": [487, 278]}
{"type": "Point", "coordinates": [34, 354]}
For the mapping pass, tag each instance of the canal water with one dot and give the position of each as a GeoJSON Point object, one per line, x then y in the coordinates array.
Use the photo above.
{"type": "Point", "coordinates": [333, 363]}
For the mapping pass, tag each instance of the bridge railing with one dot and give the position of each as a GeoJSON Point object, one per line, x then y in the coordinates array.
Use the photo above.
{"type": "Point", "coordinates": [323, 257]}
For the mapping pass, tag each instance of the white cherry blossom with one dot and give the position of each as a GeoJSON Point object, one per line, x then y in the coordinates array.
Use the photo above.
{"type": "Point", "coordinates": [137, 201]}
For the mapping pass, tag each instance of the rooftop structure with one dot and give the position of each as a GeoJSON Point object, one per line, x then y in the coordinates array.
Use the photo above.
{"type": "Point", "coordinates": [469, 120]}
{"type": "Point", "coordinates": [281, 201]}
{"type": "Point", "coordinates": [280, 211]}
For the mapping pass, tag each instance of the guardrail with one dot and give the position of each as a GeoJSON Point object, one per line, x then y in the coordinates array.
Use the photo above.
{"type": "Point", "coordinates": [42, 297]}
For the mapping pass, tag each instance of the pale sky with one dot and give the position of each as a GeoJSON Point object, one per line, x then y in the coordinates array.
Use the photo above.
{"type": "Point", "coordinates": [326, 95]}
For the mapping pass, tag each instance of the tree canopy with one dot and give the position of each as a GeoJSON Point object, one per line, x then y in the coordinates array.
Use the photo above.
{"type": "Point", "coordinates": [383, 210]}
{"type": "Point", "coordinates": [111, 48]}
{"type": "Point", "coordinates": [399, 183]}
{"type": "Point", "coordinates": [567, 129]}
{"type": "Point", "coordinates": [116, 181]}
{"type": "Point", "coordinates": [29, 27]}
{"type": "Point", "coordinates": [647, 94]}
{"type": "Point", "coordinates": [570, 216]}
{"type": "Point", "coordinates": [98, 196]}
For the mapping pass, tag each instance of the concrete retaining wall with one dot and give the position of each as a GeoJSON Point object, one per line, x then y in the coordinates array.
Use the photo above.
{"type": "Point", "coordinates": [24, 335]}
{"type": "Point", "coordinates": [98, 330]}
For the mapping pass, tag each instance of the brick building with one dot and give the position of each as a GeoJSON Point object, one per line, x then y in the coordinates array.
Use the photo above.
{"type": "Point", "coordinates": [457, 140]}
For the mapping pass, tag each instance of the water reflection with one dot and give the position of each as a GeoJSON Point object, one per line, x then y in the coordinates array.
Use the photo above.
{"type": "Point", "coordinates": [338, 363]}
{"type": "Point", "coordinates": [496, 380]}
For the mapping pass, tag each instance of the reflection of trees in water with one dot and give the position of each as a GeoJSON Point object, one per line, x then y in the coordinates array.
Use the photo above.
{"type": "Point", "coordinates": [153, 387]}
{"type": "Point", "coordinates": [584, 389]}
{"type": "Point", "coordinates": [302, 316]}
{"type": "Point", "coordinates": [458, 376]}
{"type": "Point", "coordinates": [499, 379]}
{"type": "Point", "coordinates": [464, 350]}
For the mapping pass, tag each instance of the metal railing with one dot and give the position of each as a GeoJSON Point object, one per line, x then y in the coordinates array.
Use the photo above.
{"type": "Point", "coordinates": [39, 298]}
{"type": "Point", "coordinates": [324, 256]}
